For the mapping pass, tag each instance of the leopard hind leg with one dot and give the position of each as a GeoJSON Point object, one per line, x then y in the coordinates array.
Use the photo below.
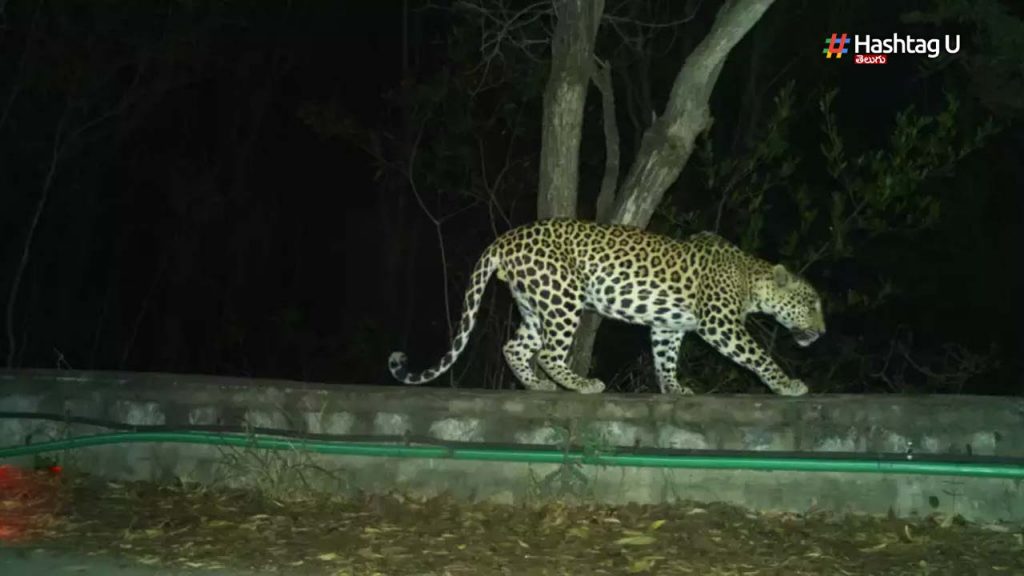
{"type": "Point", "coordinates": [559, 314]}
{"type": "Point", "coordinates": [522, 347]}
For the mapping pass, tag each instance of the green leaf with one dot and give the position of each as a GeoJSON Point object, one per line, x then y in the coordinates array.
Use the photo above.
{"type": "Point", "coordinates": [641, 540]}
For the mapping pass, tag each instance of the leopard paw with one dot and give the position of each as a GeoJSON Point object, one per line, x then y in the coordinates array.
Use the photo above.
{"type": "Point", "coordinates": [678, 390]}
{"type": "Point", "coordinates": [591, 386]}
{"type": "Point", "coordinates": [792, 387]}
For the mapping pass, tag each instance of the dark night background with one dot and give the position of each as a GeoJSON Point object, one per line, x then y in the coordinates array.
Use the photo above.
{"type": "Point", "coordinates": [226, 186]}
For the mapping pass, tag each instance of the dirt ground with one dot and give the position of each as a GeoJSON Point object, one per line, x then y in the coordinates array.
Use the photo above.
{"type": "Point", "coordinates": [190, 527]}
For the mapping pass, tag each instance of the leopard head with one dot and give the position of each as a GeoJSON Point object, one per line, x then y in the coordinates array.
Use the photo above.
{"type": "Point", "coordinates": [794, 303]}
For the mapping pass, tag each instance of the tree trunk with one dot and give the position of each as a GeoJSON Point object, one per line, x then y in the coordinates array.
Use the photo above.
{"type": "Point", "coordinates": [572, 56]}
{"type": "Point", "coordinates": [666, 146]}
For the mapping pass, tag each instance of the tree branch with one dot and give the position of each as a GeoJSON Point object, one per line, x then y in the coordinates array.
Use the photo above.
{"type": "Point", "coordinates": [26, 250]}
{"type": "Point", "coordinates": [606, 198]}
{"type": "Point", "coordinates": [668, 143]}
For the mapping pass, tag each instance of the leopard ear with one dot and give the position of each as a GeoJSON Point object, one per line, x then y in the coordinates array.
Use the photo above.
{"type": "Point", "coordinates": [780, 275]}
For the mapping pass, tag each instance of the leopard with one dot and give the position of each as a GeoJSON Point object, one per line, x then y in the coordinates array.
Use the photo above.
{"type": "Point", "coordinates": [557, 268]}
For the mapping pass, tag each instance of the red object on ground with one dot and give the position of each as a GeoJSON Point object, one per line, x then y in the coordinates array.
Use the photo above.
{"type": "Point", "coordinates": [26, 500]}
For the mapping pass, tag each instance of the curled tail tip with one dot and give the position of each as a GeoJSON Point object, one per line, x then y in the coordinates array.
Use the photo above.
{"type": "Point", "coordinates": [397, 365]}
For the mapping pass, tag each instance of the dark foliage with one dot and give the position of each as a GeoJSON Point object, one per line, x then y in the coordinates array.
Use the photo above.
{"type": "Point", "coordinates": [295, 189]}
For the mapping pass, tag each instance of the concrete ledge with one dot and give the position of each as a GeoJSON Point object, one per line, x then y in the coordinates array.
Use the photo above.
{"type": "Point", "coordinates": [953, 425]}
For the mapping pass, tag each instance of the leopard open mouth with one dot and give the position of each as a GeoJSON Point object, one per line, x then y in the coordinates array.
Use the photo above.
{"type": "Point", "coordinates": [805, 337]}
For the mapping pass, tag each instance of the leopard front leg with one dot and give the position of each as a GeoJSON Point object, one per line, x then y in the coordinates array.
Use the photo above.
{"type": "Point", "coordinates": [665, 344]}
{"type": "Point", "coordinates": [552, 358]}
{"type": "Point", "coordinates": [735, 342]}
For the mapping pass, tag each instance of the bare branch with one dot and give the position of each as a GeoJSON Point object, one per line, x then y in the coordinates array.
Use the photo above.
{"type": "Point", "coordinates": [437, 222]}
{"type": "Point", "coordinates": [668, 143]}
{"type": "Point", "coordinates": [612, 18]}
{"type": "Point", "coordinates": [26, 250]}
{"type": "Point", "coordinates": [502, 27]}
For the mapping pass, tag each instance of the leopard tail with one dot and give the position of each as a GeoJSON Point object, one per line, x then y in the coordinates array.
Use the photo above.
{"type": "Point", "coordinates": [482, 272]}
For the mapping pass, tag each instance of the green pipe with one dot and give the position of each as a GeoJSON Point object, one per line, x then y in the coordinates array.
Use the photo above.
{"type": "Point", "coordinates": [534, 456]}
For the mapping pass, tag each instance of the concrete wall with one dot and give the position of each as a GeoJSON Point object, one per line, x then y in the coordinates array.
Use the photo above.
{"type": "Point", "coordinates": [957, 425]}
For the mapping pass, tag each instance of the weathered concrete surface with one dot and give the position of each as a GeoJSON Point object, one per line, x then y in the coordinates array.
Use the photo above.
{"type": "Point", "coordinates": [955, 425]}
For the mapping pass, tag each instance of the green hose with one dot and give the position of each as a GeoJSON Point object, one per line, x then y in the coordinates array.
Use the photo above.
{"type": "Point", "coordinates": [767, 462]}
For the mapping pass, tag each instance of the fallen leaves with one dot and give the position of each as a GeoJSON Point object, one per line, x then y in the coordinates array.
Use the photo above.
{"type": "Point", "coordinates": [636, 540]}
{"type": "Point", "coordinates": [403, 536]}
{"type": "Point", "coordinates": [644, 564]}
